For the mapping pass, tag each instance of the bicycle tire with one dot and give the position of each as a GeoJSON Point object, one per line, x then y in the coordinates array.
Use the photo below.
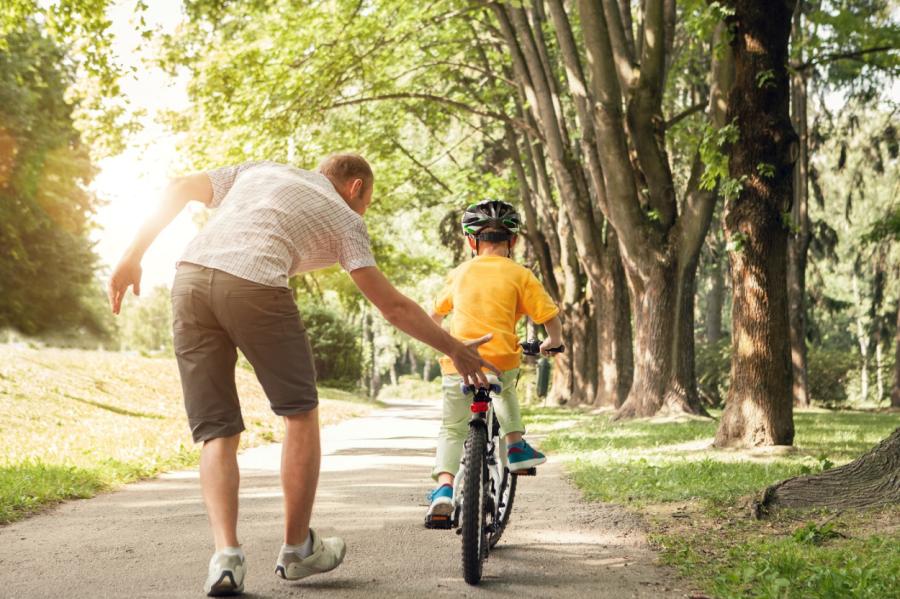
{"type": "Point", "coordinates": [505, 510]}
{"type": "Point", "coordinates": [474, 548]}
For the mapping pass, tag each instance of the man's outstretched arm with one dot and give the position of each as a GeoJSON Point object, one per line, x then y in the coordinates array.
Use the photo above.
{"type": "Point", "coordinates": [410, 318]}
{"type": "Point", "coordinates": [176, 196]}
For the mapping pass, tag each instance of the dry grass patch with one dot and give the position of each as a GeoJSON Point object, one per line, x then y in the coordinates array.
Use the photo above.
{"type": "Point", "coordinates": [73, 422]}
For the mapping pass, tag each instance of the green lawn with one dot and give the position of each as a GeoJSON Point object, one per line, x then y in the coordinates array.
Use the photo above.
{"type": "Point", "coordinates": [74, 422]}
{"type": "Point", "coordinates": [695, 501]}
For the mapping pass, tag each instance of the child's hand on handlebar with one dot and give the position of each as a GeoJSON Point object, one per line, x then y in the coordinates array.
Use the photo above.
{"type": "Point", "coordinates": [549, 345]}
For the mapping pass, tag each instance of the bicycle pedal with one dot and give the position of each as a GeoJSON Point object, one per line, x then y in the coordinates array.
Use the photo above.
{"type": "Point", "coordinates": [438, 522]}
{"type": "Point", "coordinates": [528, 472]}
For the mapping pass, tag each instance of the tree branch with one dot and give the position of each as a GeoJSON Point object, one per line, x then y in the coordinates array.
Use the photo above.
{"type": "Point", "coordinates": [432, 98]}
{"type": "Point", "coordinates": [685, 114]}
{"type": "Point", "coordinates": [624, 57]}
{"type": "Point", "coordinates": [835, 56]}
{"type": "Point", "coordinates": [427, 170]}
{"type": "Point", "coordinates": [653, 52]}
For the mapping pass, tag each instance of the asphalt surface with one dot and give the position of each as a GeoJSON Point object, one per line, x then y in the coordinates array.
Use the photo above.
{"type": "Point", "coordinates": [151, 539]}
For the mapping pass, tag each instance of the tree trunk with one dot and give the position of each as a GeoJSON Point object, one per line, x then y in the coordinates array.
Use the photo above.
{"type": "Point", "coordinates": [895, 392]}
{"type": "Point", "coordinates": [870, 480]}
{"type": "Point", "coordinates": [664, 380]}
{"type": "Point", "coordinates": [798, 242]}
{"type": "Point", "coordinates": [426, 370]}
{"type": "Point", "coordinates": [862, 339]}
{"type": "Point", "coordinates": [759, 406]}
{"type": "Point", "coordinates": [411, 358]}
{"type": "Point", "coordinates": [575, 371]}
{"type": "Point", "coordinates": [614, 343]}
{"type": "Point", "coordinates": [715, 299]}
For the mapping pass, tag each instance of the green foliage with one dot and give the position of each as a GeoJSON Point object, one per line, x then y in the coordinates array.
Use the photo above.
{"type": "Point", "coordinates": [830, 372]}
{"type": "Point", "coordinates": [47, 267]}
{"type": "Point", "coordinates": [715, 159]}
{"type": "Point", "coordinates": [699, 494]}
{"type": "Point", "coordinates": [145, 323]}
{"type": "Point", "coordinates": [765, 78]}
{"type": "Point", "coordinates": [815, 534]}
{"type": "Point", "coordinates": [647, 461]}
{"type": "Point", "coordinates": [335, 344]}
{"type": "Point", "coordinates": [412, 387]}
{"type": "Point", "coordinates": [762, 567]}
{"type": "Point", "coordinates": [886, 228]}
{"type": "Point", "coordinates": [713, 368]}
{"type": "Point", "coordinates": [709, 479]}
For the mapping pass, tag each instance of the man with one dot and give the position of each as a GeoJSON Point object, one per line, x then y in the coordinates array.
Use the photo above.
{"type": "Point", "coordinates": [231, 291]}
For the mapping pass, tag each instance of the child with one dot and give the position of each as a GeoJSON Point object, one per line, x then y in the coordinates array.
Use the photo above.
{"type": "Point", "coordinates": [488, 294]}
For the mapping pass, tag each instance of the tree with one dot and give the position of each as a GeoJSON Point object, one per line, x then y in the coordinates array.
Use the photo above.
{"type": "Point", "coordinates": [426, 96]}
{"type": "Point", "coordinates": [867, 481]}
{"type": "Point", "coordinates": [759, 406]}
{"type": "Point", "coordinates": [842, 47]}
{"type": "Point", "coordinates": [47, 267]}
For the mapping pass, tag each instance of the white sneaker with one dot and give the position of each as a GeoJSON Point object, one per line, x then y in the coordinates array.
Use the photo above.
{"type": "Point", "coordinates": [326, 556]}
{"type": "Point", "coordinates": [226, 575]}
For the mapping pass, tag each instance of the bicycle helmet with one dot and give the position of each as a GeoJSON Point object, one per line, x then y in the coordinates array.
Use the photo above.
{"type": "Point", "coordinates": [491, 214]}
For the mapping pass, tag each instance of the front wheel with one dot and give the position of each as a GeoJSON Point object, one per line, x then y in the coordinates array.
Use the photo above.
{"type": "Point", "coordinates": [474, 548]}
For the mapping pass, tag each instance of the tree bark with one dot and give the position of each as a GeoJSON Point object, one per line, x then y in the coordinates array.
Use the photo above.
{"type": "Point", "coordinates": [659, 247]}
{"type": "Point", "coordinates": [895, 391]}
{"type": "Point", "coordinates": [715, 299]}
{"type": "Point", "coordinates": [798, 242]}
{"type": "Point", "coordinates": [872, 479]}
{"type": "Point", "coordinates": [614, 341]}
{"type": "Point", "coordinates": [862, 340]}
{"type": "Point", "coordinates": [759, 406]}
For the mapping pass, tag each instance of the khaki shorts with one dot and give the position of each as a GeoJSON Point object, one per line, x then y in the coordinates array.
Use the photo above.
{"type": "Point", "coordinates": [214, 313]}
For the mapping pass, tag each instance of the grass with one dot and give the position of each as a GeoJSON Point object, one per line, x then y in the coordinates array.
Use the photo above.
{"type": "Point", "coordinates": [74, 422]}
{"type": "Point", "coordinates": [411, 386]}
{"type": "Point", "coordinates": [694, 500]}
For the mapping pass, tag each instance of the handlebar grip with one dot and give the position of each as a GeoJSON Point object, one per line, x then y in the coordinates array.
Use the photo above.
{"type": "Point", "coordinates": [533, 348]}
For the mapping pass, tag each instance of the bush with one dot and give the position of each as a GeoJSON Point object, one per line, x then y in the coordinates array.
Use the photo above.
{"type": "Point", "coordinates": [829, 373]}
{"type": "Point", "coordinates": [713, 367]}
{"type": "Point", "coordinates": [335, 344]}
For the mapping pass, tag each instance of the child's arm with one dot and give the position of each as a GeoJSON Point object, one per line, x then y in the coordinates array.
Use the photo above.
{"type": "Point", "coordinates": [554, 334]}
{"type": "Point", "coordinates": [437, 318]}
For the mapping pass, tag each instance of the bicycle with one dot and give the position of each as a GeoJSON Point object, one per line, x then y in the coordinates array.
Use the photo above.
{"type": "Point", "coordinates": [484, 489]}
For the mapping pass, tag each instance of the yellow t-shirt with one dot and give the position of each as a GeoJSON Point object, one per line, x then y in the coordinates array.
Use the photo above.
{"type": "Point", "coordinates": [489, 294]}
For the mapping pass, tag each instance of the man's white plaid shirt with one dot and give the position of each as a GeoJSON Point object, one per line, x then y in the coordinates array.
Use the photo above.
{"type": "Point", "coordinates": [273, 221]}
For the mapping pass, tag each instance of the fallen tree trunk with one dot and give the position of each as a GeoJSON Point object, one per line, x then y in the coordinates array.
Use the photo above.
{"type": "Point", "coordinates": [870, 480]}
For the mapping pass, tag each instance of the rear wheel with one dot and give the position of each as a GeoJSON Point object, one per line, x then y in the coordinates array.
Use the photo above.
{"type": "Point", "coordinates": [474, 541]}
{"type": "Point", "coordinates": [505, 496]}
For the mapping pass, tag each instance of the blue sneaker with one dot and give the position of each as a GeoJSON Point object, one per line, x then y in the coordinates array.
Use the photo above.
{"type": "Point", "coordinates": [441, 500]}
{"type": "Point", "coordinates": [523, 456]}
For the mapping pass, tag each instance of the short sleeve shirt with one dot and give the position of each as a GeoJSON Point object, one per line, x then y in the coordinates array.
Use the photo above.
{"type": "Point", "coordinates": [273, 221]}
{"type": "Point", "coordinates": [489, 294]}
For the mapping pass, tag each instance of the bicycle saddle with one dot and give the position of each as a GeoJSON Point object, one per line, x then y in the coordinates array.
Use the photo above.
{"type": "Point", "coordinates": [493, 381]}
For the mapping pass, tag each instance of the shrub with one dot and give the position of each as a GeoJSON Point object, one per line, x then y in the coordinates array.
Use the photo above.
{"type": "Point", "coordinates": [713, 367]}
{"type": "Point", "coordinates": [829, 373]}
{"type": "Point", "coordinates": [335, 344]}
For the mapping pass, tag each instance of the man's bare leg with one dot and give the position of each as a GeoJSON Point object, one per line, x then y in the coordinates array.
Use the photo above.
{"type": "Point", "coordinates": [300, 458]}
{"type": "Point", "coordinates": [220, 480]}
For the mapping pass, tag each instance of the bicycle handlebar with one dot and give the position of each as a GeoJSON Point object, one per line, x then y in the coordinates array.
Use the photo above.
{"type": "Point", "coordinates": [533, 348]}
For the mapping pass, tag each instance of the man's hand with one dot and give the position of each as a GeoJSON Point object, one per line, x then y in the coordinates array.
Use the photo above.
{"type": "Point", "coordinates": [126, 274]}
{"type": "Point", "coordinates": [469, 363]}
{"type": "Point", "coordinates": [410, 318]}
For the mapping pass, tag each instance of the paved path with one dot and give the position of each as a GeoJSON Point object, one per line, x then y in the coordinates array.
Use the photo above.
{"type": "Point", "coordinates": [151, 539]}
